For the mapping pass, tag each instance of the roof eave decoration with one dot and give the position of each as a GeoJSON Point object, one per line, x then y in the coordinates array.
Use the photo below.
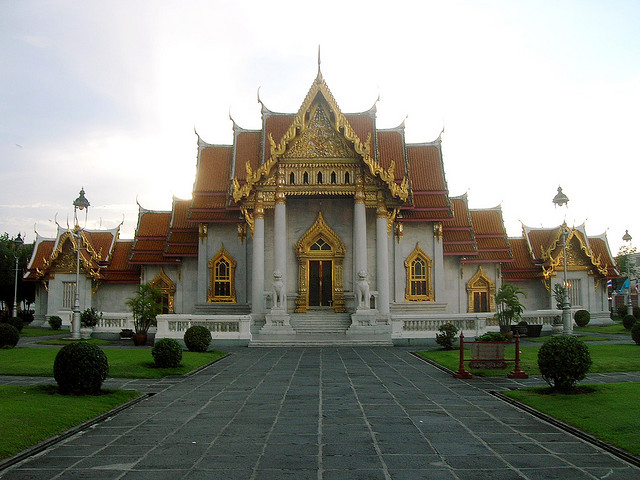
{"type": "Point", "coordinates": [342, 126]}
{"type": "Point", "coordinates": [553, 263]}
{"type": "Point", "coordinates": [48, 263]}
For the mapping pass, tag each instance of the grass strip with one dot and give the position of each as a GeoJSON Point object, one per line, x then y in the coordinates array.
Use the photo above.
{"type": "Point", "coordinates": [31, 414]}
{"type": "Point", "coordinates": [41, 332]}
{"type": "Point", "coordinates": [614, 402]}
{"type": "Point", "coordinates": [606, 359]}
{"type": "Point", "coordinates": [123, 363]}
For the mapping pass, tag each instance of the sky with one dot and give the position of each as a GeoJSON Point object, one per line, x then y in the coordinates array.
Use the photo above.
{"type": "Point", "coordinates": [531, 95]}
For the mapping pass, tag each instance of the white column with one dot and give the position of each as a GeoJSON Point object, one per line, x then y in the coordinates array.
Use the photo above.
{"type": "Point", "coordinates": [360, 234]}
{"type": "Point", "coordinates": [382, 260]}
{"type": "Point", "coordinates": [203, 263]}
{"type": "Point", "coordinates": [438, 262]}
{"type": "Point", "coordinates": [280, 247]}
{"type": "Point", "coordinates": [257, 270]}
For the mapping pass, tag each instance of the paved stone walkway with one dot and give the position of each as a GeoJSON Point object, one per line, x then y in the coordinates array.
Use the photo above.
{"type": "Point", "coordinates": [322, 413]}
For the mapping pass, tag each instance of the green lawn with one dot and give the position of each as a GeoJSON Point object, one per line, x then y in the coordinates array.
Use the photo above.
{"type": "Point", "coordinates": [614, 402]}
{"type": "Point", "coordinates": [616, 328]}
{"type": "Point", "coordinates": [126, 363]}
{"type": "Point", "coordinates": [41, 332]}
{"type": "Point", "coordinates": [31, 414]}
{"type": "Point", "coordinates": [606, 358]}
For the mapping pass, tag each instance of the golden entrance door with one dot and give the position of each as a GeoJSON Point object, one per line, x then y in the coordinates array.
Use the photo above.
{"type": "Point", "coordinates": [320, 283]}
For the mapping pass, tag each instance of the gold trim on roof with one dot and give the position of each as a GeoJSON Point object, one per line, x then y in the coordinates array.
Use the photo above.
{"type": "Point", "coordinates": [553, 263]}
{"type": "Point", "coordinates": [341, 125]}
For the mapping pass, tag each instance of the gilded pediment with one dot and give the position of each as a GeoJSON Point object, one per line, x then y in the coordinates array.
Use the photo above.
{"type": "Point", "coordinates": [319, 140]}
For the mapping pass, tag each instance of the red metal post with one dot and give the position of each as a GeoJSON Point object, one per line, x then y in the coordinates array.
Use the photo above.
{"type": "Point", "coordinates": [462, 372]}
{"type": "Point", "coordinates": [517, 373]}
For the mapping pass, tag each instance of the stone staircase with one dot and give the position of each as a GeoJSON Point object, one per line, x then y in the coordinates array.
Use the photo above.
{"type": "Point", "coordinates": [320, 329]}
{"type": "Point", "coordinates": [319, 322]}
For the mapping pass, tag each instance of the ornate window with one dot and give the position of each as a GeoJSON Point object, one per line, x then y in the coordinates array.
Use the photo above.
{"type": "Point", "coordinates": [346, 178]}
{"type": "Point", "coordinates": [222, 269]}
{"type": "Point", "coordinates": [319, 177]}
{"type": "Point", "coordinates": [481, 293]}
{"type": "Point", "coordinates": [305, 178]}
{"type": "Point", "coordinates": [168, 289]}
{"type": "Point", "coordinates": [292, 179]}
{"type": "Point", "coordinates": [418, 269]}
{"type": "Point", "coordinates": [333, 177]}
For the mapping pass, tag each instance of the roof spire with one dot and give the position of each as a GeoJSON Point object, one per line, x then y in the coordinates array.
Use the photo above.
{"type": "Point", "coordinates": [319, 59]}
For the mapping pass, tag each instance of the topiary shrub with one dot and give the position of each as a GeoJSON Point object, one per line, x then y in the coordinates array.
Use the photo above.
{"type": "Point", "coordinates": [167, 353]}
{"type": "Point", "coordinates": [197, 338]}
{"type": "Point", "coordinates": [635, 333]}
{"type": "Point", "coordinates": [564, 361]}
{"type": "Point", "coordinates": [26, 316]}
{"type": "Point", "coordinates": [55, 322]}
{"type": "Point", "coordinates": [447, 335]}
{"type": "Point", "coordinates": [629, 321]}
{"type": "Point", "coordinates": [16, 322]}
{"type": "Point", "coordinates": [80, 368]}
{"type": "Point", "coordinates": [621, 310]}
{"type": "Point", "coordinates": [582, 318]}
{"type": "Point", "coordinates": [636, 312]}
{"type": "Point", "coordinates": [9, 335]}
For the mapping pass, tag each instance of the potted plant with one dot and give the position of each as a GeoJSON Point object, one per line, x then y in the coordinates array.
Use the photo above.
{"type": "Point", "coordinates": [508, 305]}
{"type": "Point", "coordinates": [487, 352]}
{"type": "Point", "coordinates": [145, 307]}
{"type": "Point", "coordinates": [89, 318]}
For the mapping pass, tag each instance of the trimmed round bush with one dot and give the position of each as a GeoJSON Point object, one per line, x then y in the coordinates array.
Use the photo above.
{"type": "Point", "coordinates": [167, 353]}
{"type": "Point", "coordinates": [629, 321]}
{"type": "Point", "coordinates": [447, 335]}
{"type": "Point", "coordinates": [636, 312]}
{"type": "Point", "coordinates": [635, 333]}
{"type": "Point", "coordinates": [80, 369]}
{"type": "Point", "coordinates": [564, 361]}
{"type": "Point", "coordinates": [621, 310]}
{"type": "Point", "coordinates": [55, 322]}
{"type": "Point", "coordinates": [582, 318]}
{"type": "Point", "coordinates": [9, 335]}
{"type": "Point", "coordinates": [16, 322]}
{"type": "Point", "coordinates": [197, 338]}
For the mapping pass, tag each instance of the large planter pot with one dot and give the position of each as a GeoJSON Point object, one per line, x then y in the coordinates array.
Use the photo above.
{"type": "Point", "coordinates": [85, 332]}
{"type": "Point", "coordinates": [534, 330]}
{"type": "Point", "coordinates": [520, 329]}
{"type": "Point", "coordinates": [139, 339]}
{"type": "Point", "coordinates": [488, 356]}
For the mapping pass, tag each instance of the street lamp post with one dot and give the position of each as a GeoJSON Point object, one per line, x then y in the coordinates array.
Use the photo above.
{"type": "Point", "coordinates": [17, 244]}
{"type": "Point", "coordinates": [567, 325]}
{"type": "Point", "coordinates": [79, 203]}
{"type": "Point", "coordinates": [627, 238]}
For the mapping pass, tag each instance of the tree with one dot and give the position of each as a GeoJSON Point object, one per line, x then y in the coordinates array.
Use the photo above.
{"type": "Point", "coordinates": [8, 250]}
{"type": "Point", "coordinates": [626, 265]}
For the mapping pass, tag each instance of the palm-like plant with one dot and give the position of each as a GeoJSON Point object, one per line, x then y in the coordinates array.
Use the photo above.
{"type": "Point", "coordinates": [145, 306]}
{"type": "Point", "coordinates": [508, 304]}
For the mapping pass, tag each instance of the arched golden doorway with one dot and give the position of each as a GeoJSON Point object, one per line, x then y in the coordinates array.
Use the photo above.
{"type": "Point", "coordinates": [481, 293]}
{"type": "Point", "coordinates": [320, 254]}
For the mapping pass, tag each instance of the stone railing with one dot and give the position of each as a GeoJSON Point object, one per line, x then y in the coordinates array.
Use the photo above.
{"type": "Point", "coordinates": [222, 327]}
{"type": "Point", "coordinates": [113, 322]}
{"type": "Point", "coordinates": [415, 325]}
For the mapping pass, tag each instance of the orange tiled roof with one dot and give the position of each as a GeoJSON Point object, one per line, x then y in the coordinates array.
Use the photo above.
{"type": "Point", "coordinates": [458, 236]}
{"type": "Point", "coordinates": [491, 236]}
{"type": "Point", "coordinates": [390, 147]}
{"type": "Point", "coordinates": [151, 238]}
{"type": "Point", "coordinates": [120, 270]}
{"type": "Point", "coordinates": [522, 267]}
{"type": "Point", "coordinates": [248, 149]}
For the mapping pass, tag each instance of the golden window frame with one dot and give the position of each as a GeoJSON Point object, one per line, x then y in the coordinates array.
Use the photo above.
{"type": "Point", "coordinates": [214, 278]}
{"type": "Point", "coordinates": [418, 255]}
{"type": "Point", "coordinates": [166, 286]}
